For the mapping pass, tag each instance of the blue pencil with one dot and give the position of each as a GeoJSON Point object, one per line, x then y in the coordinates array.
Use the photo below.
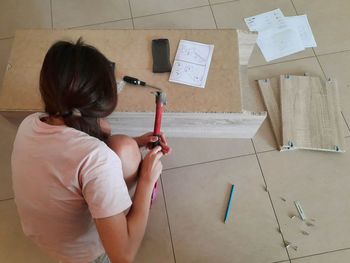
{"type": "Point", "coordinates": [229, 203]}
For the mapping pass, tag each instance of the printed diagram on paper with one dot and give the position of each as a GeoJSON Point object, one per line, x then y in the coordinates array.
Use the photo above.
{"type": "Point", "coordinates": [191, 65]}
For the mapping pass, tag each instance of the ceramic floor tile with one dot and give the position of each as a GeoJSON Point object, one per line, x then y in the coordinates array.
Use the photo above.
{"type": "Point", "coordinates": [7, 134]}
{"type": "Point", "coordinates": [328, 20]}
{"type": "Point", "coordinates": [232, 14]}
{"type": "Point", "coordinates": [66, 13]}
{"type": "Point", "coordinates": [199, 18]}
{"type": "Point", "coordinates": [5, 48]}
{"type": "Point", "coordinates": [264, 139]}
{"type": "Point", "coordinates": [336, 66]}
{"type": "Point", "coordinates": [191, 151]}
{"type": "Point", "coordinates": [156, 245]}
{"type": "Point", "coordinates": [19, 14]}
{"type": "Point", "coordinates": [319, 181]}
{"type": "Point", "coordinates": [342, 256]}
{"type": "Point", "coordinates": [121, 24]}
{"type": "Point", "coordinates": [14, 246]}
{"type": "Point", "coordinates": [196, 200]}
{"type": "Point", "coordinates": [150, 7]}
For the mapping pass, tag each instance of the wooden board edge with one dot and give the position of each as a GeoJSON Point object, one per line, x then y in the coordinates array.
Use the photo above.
{"type": "Point", "coordinates": [190, 125]}
{"type": "Point", "coordinates": [274, 114]}
{"type": "Point", "coordinates": [246, 43]}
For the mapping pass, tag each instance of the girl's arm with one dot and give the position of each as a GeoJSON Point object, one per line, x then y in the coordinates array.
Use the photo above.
{"type": "Point", "coordinates": [122, 234]}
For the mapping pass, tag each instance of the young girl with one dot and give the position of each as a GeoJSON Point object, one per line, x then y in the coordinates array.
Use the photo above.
{"type": "Point", "coordinates": [70, 176]}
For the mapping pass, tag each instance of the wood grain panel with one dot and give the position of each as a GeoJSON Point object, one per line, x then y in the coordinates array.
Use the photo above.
{"type": "Point", "coordinates": [270, 92]}
{"type": "Point", "coordinates": [310, 114]}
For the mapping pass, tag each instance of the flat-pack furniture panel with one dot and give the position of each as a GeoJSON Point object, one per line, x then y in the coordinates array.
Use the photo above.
{"type": "Point", "coordinates": [310, 114]}
{"type": "Point", "coordinates": [270, 92]}
{"type": "Point", "coordinates": [213, 112]}
{"type": "Point", "coordinates": [131, 51]}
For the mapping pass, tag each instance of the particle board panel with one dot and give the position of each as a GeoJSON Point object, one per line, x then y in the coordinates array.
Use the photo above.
{"type": "Point", "coordinates": [270, 91]}
{"type": "Point", "coordinates": [310, 114]}
{"type": "Point", "coordinates": [131, 50]}
{"type": "Point", "coordinates": [213, 112]}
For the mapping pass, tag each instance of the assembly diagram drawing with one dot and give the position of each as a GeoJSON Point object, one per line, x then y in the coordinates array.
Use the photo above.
{"type": "Point", "coordinates": [191, 63]}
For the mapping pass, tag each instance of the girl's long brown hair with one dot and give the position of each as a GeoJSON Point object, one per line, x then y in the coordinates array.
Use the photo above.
{"type": "Point", "coordinates": [76, 76]}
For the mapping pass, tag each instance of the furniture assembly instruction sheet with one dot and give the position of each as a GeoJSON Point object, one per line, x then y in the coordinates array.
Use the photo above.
{"type": "Point", "coordinates": [191, 64]}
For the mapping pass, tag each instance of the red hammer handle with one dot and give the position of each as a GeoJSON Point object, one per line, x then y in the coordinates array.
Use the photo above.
{"type": "Point", "coordinates": [156, 131]}
{"type": "Point", "coordinates": [158, 119]}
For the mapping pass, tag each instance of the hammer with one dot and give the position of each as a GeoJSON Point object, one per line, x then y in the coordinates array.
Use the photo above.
{"type": "Point", "coordinates": [160, 102]}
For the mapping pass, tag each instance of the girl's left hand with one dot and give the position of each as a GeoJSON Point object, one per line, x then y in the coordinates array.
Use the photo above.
{"type": "Point", "coordinates": [148, 138]}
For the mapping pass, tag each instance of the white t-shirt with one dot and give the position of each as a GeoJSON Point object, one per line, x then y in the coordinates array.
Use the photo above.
{"type": "Point", "coordinates": [62, 179]}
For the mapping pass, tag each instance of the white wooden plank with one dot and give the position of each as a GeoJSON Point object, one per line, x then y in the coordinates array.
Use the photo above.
{"type": "Point", "coordinates": [246, 43]}
{"type": "Point", "coordinates": [189, 125]}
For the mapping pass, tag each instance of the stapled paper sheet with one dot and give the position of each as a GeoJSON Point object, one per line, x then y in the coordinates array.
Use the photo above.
{"type": "Point", "coordinates": [191, 64]}
{"type": "Point", "coordinates": [266, 20]}
{"type": "Point", "coordinates": [280, 36]}
{"type": "Point", "coordinates": [279, 42]}
{"type": "Point", "coordinates": [302, 25]}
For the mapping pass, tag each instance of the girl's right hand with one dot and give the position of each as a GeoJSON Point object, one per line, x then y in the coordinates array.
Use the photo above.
{"type": "Point", "coordinates": [151, 167]}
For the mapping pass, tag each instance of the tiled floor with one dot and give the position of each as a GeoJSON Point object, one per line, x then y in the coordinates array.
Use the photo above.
{"type": "Point", "coordinates": [186, 221]}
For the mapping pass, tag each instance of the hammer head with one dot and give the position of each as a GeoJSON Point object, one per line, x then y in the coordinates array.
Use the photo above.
{"type": "Point", "coordinates": [161, 97]}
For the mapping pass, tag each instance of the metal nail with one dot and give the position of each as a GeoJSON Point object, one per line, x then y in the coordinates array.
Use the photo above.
{"type": "Point", "coordinates": [305, 233]}
{"type": "Point", "coordinates": [309, 224]}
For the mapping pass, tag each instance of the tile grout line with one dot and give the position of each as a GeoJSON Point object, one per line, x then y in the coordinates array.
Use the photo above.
{"type": "Point", "coordinates": [323, 253]}
{"type": "Point", "coordinates": [96, 24]}
{"type": "Point", "coordinates": [273, 208]}
{"type": "Point", "coordinates": [281, 261]}
{"type": "Point", "coordinates": [285, 61]}
{"type": "Point", "coordinates": [313, 50]}
{"type": "Point", "coordinates": [167, 216]}
{"type": "Point", "coordinates": [319, 63]}
{"type": "Point", "coordinates": [347, 125]}
{"type": "Point", "coordinates": [224, 2]}
{"type": "Point", "coordinates": [291, 60]}
{"type": "Point", "coordinates": [172, 11]}
{"type": "Point", "coordinates": [132, 18]}
{"type": "Point", "coordinates": [332, 53]}
{"type": "Point", "coordinates": [217, 160]}
{"type": "Point", "coordinates": [212, 12]}
{"type": "Point", "coordinates": [51, 14]}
